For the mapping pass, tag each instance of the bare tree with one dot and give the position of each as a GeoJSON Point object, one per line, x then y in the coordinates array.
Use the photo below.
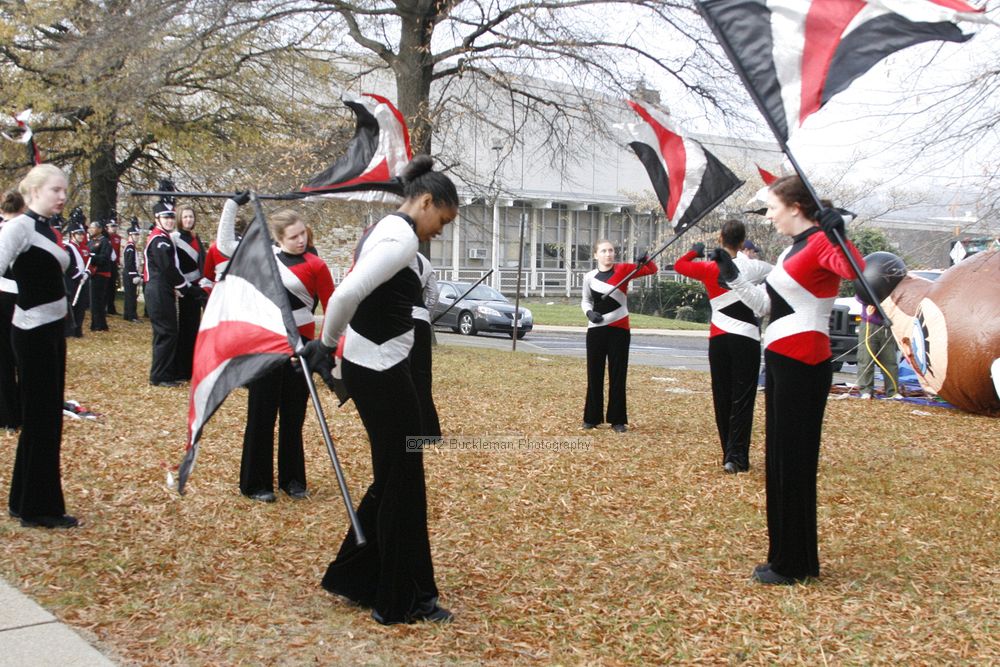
{"type": "Point", "coordinates": [125, 91]}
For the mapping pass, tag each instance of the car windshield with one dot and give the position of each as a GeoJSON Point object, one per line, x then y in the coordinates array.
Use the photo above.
{"type": "Point", "coordinates": [482, 293]}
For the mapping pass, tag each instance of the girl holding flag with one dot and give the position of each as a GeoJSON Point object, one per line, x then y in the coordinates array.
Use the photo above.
{"type": "Point", "coordinates": [373, 310]}
{"type": "Point", "coordinates": [282, 393]}
{"type": "Point", "coordinates": [798, 294]}
{"type": "Point", "coordinates": [608, 335]}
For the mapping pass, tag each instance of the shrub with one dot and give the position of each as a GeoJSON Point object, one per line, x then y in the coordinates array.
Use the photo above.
{"type": "Point", "coordinates": [671, 298]}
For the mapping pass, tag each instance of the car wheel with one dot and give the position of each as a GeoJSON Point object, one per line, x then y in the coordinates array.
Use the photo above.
{"type": "Point", "coordinates": [836, 366]}
{"type": "Point", "coordinates": [466, 325]}
{"type": "Point", "coordinates": [520, 334]}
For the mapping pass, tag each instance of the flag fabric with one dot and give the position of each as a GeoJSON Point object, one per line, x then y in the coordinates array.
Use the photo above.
{"type": "Point", "coordinates": [794, 55]}
{"type": "Point", "coordinates": [761, 195]}
{"type": "Point", "coordinates": [688, 180]}
{"type": "Point", "coordinates": [375, 158]}
{"type": "Point", "coordinates": [26, 137]}
{"type": "Point", "coordinates": [247, 330]}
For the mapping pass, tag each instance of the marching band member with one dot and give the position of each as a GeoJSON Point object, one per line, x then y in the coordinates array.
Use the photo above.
{"type": "Point", "coordinates": [191, 260]}
{"type": "Point", "coordinates": [100, 275]}
{"type": "Point", "coordinates": [131, 277]}
{"type": "Point", "coordinates": [163, 280]}
{"type": "Point", "coordinates": [78, 272]}
{"type": "Point", "coordinates": [373, 310]}
{"type": "Point", "coordinates": [30, 247]}
{"type": "Point", "coordinates": [608, 336]}
{"type": "Point", "coordinates": [798, 294]}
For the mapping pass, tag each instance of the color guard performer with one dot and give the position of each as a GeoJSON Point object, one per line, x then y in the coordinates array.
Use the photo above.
{"type": "Point", "coordinates": [733, 344]}
{"type": "Point", "coordinates": [115, 239]}
{"type": "Point", "coordinates": [31, 248]}
{"type": "Point", "coordinates": [798, 294]}
{"type": "Point", "coordinates": [420, 355]}
{"type": "Point", "coordinates": [373, 310]}
{"type": "Point", "coordinates": [608, 336]}
{"type": "Point", "coordinates": [10, 402]}
{"type": "Point", "coordinates": [282, 394]}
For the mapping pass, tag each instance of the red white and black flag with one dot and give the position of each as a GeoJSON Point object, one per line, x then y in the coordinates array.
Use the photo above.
{"type": "Point", "coordinates": [375, 157]}
{"type": "Point", "coordinates": [26, 136]}
{"type": "Point", "coordinates": [247, 330]}
{"type": "Point", "coordinates": [688, 180]}
{"type": "Point", "coordinates": [794, 55]}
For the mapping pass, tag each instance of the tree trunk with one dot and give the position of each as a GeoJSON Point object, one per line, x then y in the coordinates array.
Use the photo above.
{"type": "Point", "coordinates": [104, 175]}
{"type": "Point", "coordinates": [414, 70]}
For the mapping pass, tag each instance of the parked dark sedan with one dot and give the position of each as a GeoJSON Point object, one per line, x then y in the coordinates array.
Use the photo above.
{"type": "Point", "coordinates": [483, 309]}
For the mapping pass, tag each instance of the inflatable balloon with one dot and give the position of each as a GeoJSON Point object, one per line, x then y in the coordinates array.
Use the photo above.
{"type": "Point", "coordinates": [949, 330]}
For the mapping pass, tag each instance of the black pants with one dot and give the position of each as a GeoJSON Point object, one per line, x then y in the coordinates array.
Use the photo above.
{"type": "Point", "coordinates": [77, 313]}
{"type": "Point", "coordinates": [734, 361]}
{"type": "Point", "coordinates": [35, 486]}
{"type": "Point", "coordinates": [609, 345]}
{"type": "Point", "coordinates": [795, 394]}
{"type": "Point", "coordinates": [393, 572]}
{"type": "Point", "coordinates": [421, 369]}
{"type": "Point", "coordinates": [162, 307]}
{"type": "Point", "coordinates": [129, 311]}
{"type": "Point", "coordinates": [98, 303]}
{"type": "Point", "coordinates": [112, 288]}
{"type": "Point", "coordinates": [10, 399]}
{"type": "Point", "coordinates": [188, 321]}
{"type": "Point", "coordinates": [278, 396]}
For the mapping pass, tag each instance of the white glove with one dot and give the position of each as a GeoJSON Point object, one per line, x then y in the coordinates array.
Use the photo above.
{"type": "Point", "coordinates": [136, 280]}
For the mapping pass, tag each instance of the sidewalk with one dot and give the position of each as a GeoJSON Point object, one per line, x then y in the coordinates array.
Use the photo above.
{"type": "Point", "coordinates": [635, 332]}
{"type": "Point", "coordinates": [32, 637]}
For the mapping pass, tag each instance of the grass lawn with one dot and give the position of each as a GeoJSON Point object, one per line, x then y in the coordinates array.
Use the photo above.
{"type": "Point", "coordinates": [567, 313]}
{"type": "Point", "coordinates": [629, 549]}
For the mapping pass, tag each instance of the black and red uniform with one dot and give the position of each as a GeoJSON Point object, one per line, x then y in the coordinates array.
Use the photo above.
{"type": "Point", "coordinates": [608, 341]}
{"type": "Point", "coordinates": [164, 280]}
{"type": "Point", "coordinates": [115, 240]}
{"type": "Point", "coordinates": [78, 271]}
{"type": "Point", "coordinates": [30, 247]}
{"type": "Point", "coordinates": [733, 353]}
{"type": "Point", "coordinates": [800, 293]}
{"type": "Point", "coordinates": [215, 264]}
{"type": "Point", "coordinates": [100, 275]}
{"type": "Point", "coordinates": [191, 260]}
{"type": "Point", "coordinates": [281, 395]}
{"type": "Point", "coordinates": [130, 282]}
{"type": "Point", "coordinates": [373, 309]}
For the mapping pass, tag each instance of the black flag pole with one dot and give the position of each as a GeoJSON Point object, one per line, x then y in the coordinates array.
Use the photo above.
{"type": "Point", "coordinates": [359, 536]}
{"type": "Point", "coordinates": [783, 144]}
{"type": "Point", "coordinates": [215, 195]}
{"type": "Point", "coordinates": [465, 294]}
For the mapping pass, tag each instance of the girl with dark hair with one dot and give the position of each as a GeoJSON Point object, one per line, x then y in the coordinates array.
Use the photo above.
{"type": "Point", "coordinates": [10, 406]}
{"type": "Point", "coordinates": [798, 294]}
{"type": "Point", "coordinates": [373, 310]}
{"type": "Point", "coordinates": [733, 343]}
{"type": "Point", "coordinates": [608, 336]}
{"type": "Point", "coordinates": [282, 394]}
{"type": "Point", "coordinates": [30, 247]}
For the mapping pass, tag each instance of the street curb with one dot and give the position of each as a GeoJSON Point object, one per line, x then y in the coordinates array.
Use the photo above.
{"type": "Point", "coordinates": [553, 328]}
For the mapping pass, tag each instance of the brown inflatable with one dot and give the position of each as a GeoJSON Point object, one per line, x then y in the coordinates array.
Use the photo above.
{"type": "Point", "coordinates": [949, 331]}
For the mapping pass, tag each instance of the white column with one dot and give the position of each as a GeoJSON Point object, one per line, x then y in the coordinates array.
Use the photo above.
{"type": "Point", "coordinates": [495, 255]}
{"type": "Point", "coordinates": [568, 251]}
{"type": "Point", "coordinates": [533, 255]}
{"type": "Point", "coordinates": [456, 247]}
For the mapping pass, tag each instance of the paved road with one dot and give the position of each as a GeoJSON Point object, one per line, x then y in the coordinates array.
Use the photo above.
{"type": "Point", "coordinates": [683, 350]}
